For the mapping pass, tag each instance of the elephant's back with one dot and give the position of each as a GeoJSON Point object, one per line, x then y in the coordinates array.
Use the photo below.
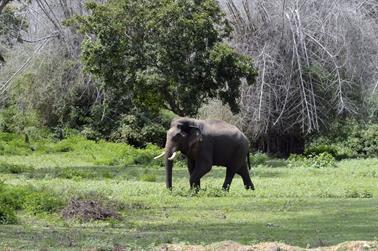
{"type": "Point", "coordinates": [225, 133]}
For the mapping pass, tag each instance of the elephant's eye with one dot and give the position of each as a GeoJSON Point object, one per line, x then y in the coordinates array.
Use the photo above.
{"type": "Point", "coordinates": [176, 137]}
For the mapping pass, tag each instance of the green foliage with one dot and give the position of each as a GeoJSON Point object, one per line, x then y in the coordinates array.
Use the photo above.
{"type": "Point", "coordinates": [7, 215]}
{"type": "Point", "coordinates": [12, 119]}
{"type": "Point", "coordinates": [162, 54]}
{"type": "Point", "coordinates": [14, 144]}
{"type": "Point", "coordinates": [13, 168]}
{"type": "Point", "coordinates": [99, 153]}
{"type": "Point", "coordinates": [43, 202]}
{"type": "Point", "coordinates": [11, 199]}
{"type": "Point", "coordinates": [322, 160]}
{"type": "Point", "coordinates": [139, 129]}
{"type": "Point", "coordinates": [258, 158]}
{"type": "Point", "coordinates": [347, 139]}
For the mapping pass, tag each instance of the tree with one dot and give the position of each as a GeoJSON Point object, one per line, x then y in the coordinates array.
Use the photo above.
{"type": "Point", "coordinates": [163, 54]}
{"type": "Point", "coordinates": [317, 62]}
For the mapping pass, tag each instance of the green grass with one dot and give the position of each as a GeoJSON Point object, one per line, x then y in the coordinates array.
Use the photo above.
{"type": "Point", "coordinates": [301, 206]}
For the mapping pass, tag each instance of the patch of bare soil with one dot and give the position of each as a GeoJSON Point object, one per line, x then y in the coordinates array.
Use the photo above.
{"type": "Point", "coordinates": [87, 210]}
{"type": "Point", "coordinates": [271, 246]}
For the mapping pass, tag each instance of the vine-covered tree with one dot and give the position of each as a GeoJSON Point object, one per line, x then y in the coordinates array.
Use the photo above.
{"type": "Point", "coordinates": [163, 53]}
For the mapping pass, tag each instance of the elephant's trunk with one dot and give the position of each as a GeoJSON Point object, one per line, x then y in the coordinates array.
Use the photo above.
{"type": "Point", "coordinates": [169, 151]}
{"type": "Point", "coordinates": [168, 172]}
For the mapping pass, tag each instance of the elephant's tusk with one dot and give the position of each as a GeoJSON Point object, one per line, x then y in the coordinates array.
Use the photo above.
{"type": "Point", "coordinates": [161, 155]}
{"type": "Point", "coordinates": [173, 156]}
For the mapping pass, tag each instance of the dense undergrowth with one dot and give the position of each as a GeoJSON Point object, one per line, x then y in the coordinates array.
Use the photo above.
{"type": "Point", "coordinates": [347, 139]}
{"type": "Point", "coordinates": [100, 152]}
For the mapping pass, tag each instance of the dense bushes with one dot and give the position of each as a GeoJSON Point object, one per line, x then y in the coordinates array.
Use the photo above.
{"type": "Point", "coordinates": [11, 199]}
{"type": "Point", "coordinates": [348, 139]}
{"type": "Point", "coordinates": [38, 202]}
{"type": "Point", "coordinates": [26, 198]}
{"type": "Point", "coordinates": [99, 153]}
{"type": "Point", "coordinates": [139, 129]}
{"type": "Point", "coordinates": [323, 160]}
{"type": "Point", "coordinates": [13, 144]}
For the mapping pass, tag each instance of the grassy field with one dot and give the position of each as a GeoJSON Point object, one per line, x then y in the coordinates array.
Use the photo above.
{"type": "Point", "coordinates": [301, 206]}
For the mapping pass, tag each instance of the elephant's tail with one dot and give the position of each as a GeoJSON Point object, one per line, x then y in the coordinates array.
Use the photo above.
{"type": "Point", "coordinates": [249, 161]}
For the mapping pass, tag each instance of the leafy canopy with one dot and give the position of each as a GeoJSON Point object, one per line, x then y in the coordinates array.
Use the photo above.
{"type": "Point", "coordinates": [163, 53]}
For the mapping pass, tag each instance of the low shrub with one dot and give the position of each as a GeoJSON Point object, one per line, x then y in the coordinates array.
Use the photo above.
{"type": "Point", "coordinates": [258, 158]}
{"type": "Point", "coordinates": [11, 199]}
{"type": "Point", "coordinates": [317, 149]}
{"type": "Point", "coordinates": [348, 139]}
{"type": "Point", "coordinates": [7, 215]}
{"type": "Point", "coordinates": [43, 202]}
{"type": "Point", "coordinates": [14, 169]}
{"type": "Point", "coordinates": [323, 160]}
{"type": "Point", "coordinates": [13, 144]}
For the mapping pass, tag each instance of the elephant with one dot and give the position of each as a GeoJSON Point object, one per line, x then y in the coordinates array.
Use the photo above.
{"type": "Point", "coordinates": [206, 143]}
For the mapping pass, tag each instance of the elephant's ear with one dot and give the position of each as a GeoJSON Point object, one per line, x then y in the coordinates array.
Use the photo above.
{"type": "Point", "coordinates": [195, 136]}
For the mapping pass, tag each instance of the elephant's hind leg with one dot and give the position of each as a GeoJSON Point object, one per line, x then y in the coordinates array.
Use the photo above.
{"type": "Point", "coordinates": [243, 172]}
{"type": "Point", "coordinates": [229, 176]}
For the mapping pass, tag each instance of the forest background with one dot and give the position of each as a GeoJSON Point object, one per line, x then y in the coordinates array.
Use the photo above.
{"type": "Point", "coordinates": [295, 76]}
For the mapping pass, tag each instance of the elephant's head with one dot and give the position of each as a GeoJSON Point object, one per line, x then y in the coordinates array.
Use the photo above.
{"type": "Point", "coordinates": [184, 136]}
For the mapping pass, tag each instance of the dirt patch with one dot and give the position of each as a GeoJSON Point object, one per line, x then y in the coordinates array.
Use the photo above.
{"type": "Point", "coordinates": [271, 246]}
{"type": "Point", "coordinates": [87, 210]}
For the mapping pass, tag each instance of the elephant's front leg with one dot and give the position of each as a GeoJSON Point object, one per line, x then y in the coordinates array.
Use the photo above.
{"type": "Point", "coordinates": [191, 165]}
{"type": "Point", "coordinates": [201, 168]}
